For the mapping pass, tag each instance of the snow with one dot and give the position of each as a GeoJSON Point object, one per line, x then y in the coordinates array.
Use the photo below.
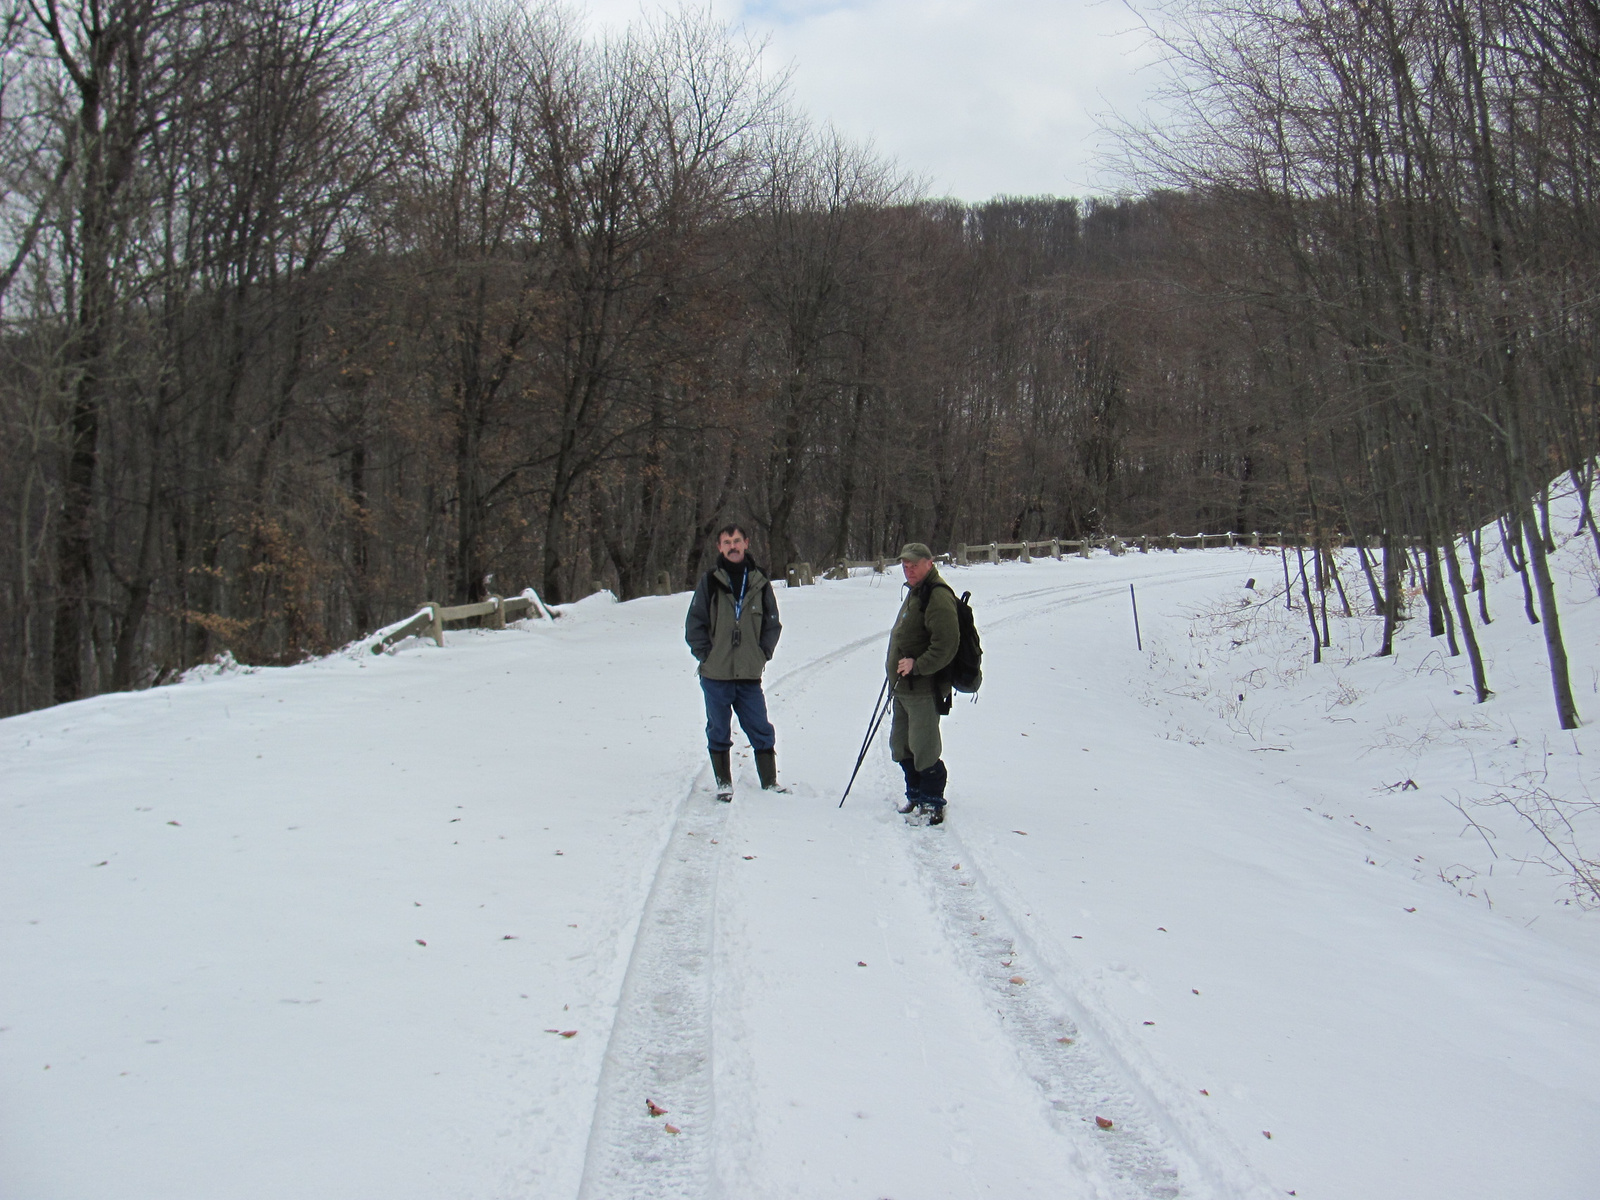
{"type": "Point", "coordinates": [320, 930]}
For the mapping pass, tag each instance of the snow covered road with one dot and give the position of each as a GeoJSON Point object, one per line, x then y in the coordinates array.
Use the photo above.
{"type": "Point", "coordinates": [325, 931]}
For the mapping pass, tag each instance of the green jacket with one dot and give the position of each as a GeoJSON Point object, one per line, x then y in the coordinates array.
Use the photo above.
{"type": "Point", "coordinates": [730, 647]}
{"type": "Point", "coordinates": [928, 631]}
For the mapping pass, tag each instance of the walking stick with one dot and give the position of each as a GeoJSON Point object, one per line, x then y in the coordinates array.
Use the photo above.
{"type": "Point", "coordinates": [880, 709]}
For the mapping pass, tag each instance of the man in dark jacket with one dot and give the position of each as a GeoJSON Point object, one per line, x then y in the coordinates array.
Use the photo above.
{"type": "Point", "coordinates": [732, 629]}
{"type": "Point", "coordinates": [922, 644]}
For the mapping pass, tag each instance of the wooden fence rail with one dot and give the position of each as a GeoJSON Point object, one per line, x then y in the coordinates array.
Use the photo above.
{"type": "Point", "coordinates": [429, 620]}
{"type": "Point", "coordinates": [800, 574]}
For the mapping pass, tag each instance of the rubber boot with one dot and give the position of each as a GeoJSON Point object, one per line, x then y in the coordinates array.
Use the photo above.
{"type": "Point", "coordinates": [913, 788]}
{"type": "Point", "coordinates": [767, 770]}
{"type": "Point", "coordinates": [723, 770]}
{"type": "Point", "coordinates": [933, 784]}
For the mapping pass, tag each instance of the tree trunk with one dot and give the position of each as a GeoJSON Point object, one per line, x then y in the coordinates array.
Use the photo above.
{"type": "Point", "coordinates": [1480, 682]}
{"type": "Point", "coordinates": [1392, 594]}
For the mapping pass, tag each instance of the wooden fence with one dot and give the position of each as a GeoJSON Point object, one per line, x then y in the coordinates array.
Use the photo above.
{"type": "Point", "coordinates": [800, 574]}
{"type": "Point", "coordinates": [429, 620]}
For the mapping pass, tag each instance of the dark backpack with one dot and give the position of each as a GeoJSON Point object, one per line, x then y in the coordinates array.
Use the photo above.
{"type": "Point", "coordinates": [965, 671]}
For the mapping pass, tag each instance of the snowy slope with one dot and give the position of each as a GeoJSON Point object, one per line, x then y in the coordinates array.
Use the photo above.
{"type": "Point", "coordinates": [306, 931]}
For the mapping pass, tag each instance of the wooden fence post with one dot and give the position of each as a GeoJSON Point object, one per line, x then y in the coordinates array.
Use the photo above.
{"type": "Point", "coordinates": [436, 630]}
{"type": "Point", "coordinates": [497, 618]}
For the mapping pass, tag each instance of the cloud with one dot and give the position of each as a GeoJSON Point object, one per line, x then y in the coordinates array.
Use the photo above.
{"type": "Point", "coordinates": [977, 98]}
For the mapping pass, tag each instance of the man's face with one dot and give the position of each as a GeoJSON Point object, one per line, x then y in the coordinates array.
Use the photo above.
{"type": "Point", "coordinates": [916, 569]}
{"type": "Point", "coordinates": [732, 546]}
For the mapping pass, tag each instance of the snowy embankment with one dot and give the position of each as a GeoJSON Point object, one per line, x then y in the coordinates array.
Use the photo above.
{"type": "Point", "coordinates": [368, 927]}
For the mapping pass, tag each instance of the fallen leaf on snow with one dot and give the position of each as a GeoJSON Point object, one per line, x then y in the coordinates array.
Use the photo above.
{"type": "Point", "coordinates": [569, 1033]}
{"type": "Point", "coordinates": [1267, 1133]}
{"type": "Point", "coordinates": [1196, 991]}
{"type": "Point", "coordinates": [171, 822]}
{"type": "Point", "coordinates": [1203, 1092]}
{"type": "Point", "coordinates": [957, 867]}
{"type": "Point", "coordinates": [420, 942]}
{"type": "Point", "coordinates": [1065, 1041]}
{"type": "Point", "coordinates": [510, 937]}
{"type": "Point", "coordinates": [1408, 910]}
{"type": "Point", "coordinates": [655, 1109]}
{"type": "Point", "coordinates": [1103, 1122]}
{"type": "Point", "coordinates": [1023, 832]}
{"type": "Point", "coordinates": [861, 964]}
{"type": "Point", "coordinates": [101, 864]}
{"type": "Point", "coordinates": [1018, 979]}
{"type": "Point", "coordinates": [1149, 1022]}
{"type": "Point", "coordinates": [749, 857]}
{"type": "Point", "coordinates": [672, 1129]}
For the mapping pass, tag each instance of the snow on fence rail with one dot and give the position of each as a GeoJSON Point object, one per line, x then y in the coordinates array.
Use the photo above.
{"type": "Point", "coordinates": [800, 574]}
{"type": "Point", "coordinates": [429, 620]}
{"type": "Point", "coordinates": [1144, 543]}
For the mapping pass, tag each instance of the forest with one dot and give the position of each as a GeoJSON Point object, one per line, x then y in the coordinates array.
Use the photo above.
{"type": "Point", "coordinates": [311, 310]}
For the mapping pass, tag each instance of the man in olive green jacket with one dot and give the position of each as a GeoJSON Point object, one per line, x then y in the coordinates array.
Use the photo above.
{"type": "Point", "coordinates": [924, 641]}
{"type": "Point", "coordinates": [732, 629]}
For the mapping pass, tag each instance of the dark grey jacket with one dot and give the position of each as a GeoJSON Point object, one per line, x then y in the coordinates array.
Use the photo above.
{"type": "Point", "coordinates": [730, 648]}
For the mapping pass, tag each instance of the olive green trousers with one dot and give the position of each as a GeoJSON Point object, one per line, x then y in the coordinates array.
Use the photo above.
{"type": "Point", "coordinates": [914, 728]}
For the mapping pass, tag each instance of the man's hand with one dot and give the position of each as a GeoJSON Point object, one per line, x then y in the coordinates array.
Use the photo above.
{"type": "Point", "coordinates": [905, 665]}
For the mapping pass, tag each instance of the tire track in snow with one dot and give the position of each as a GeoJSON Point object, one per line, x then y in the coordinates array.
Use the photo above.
{"type": "Point", "coordinates": [660, 1046]}
{"type": "Point", "coordinates": [660, 1043]}
{"type": "Point", "coordinates": [1145, 1155]}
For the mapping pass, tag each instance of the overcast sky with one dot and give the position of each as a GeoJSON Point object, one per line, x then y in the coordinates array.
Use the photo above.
{"type": "Point", "coordinates": [977, 97]}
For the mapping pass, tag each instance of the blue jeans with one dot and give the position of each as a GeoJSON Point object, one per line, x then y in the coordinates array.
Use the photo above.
{"type": "Point", "coordinates": [727, 696]}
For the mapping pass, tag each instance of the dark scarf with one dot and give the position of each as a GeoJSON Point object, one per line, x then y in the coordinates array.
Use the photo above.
{"type": "Point", "coordinates": [735, 572]}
